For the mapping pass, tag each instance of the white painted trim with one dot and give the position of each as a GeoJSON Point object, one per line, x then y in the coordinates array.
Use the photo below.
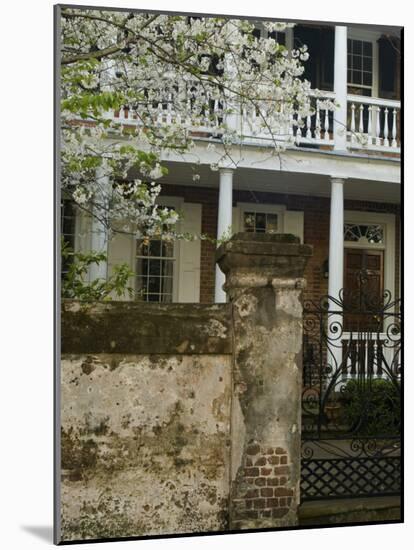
{"type": "Point", "coordinates": [362, 34]}
{"type": "Point", "coordinates": [176, 203]}
{"type": "Point", "coordinates": [373, 37]}
{"type": "Point", "coordinates": [388, 221]}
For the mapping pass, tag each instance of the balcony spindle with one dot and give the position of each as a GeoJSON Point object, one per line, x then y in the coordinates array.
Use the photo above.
{"type": "Point", "coordinates": [394, 128]}
{"type": "Point", "coordinates": [318, 122]}
{"type": "Point", "coordinates": [370, 125]}
{"type": "Point", "coordinates": [207, 111]}
{"type": "Point", "coordinates": [298, 130]}
{"type": "Point", "coordinates": [353, 138]}
{"type": "Point", "coordinates": [308, 127]}
{"type": "Point", "coordinates": [160, 113]}
{"type": "Point", "coordinates": [378, 127]}
{"type": "Point", "coordinates": [263, 121]}
{"type": "Point", "coordinates": [188, 119]}
{"type": "Point", "coordinates": [169, 109]}
{"type": "Point", "coordinates": [386, 140]}
{"type": "Point", "coordinates": [326, 126]}
{"type": "Point", "coordinates": [361, 119]}
{"type": "Point", "coordinates": [256, 120]}
{"type": "Point", "coordinates": [291, 123]}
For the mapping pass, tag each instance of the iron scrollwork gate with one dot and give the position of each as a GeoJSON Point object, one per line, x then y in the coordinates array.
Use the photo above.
{"type": "Point", "coordinates": [351, 400]}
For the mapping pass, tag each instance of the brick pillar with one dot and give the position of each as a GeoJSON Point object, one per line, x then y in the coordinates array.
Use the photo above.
{"type": "Point", "coordinates": [264, 281]}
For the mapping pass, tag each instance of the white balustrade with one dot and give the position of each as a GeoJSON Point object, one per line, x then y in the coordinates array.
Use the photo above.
{"type": "Point", "coordinates": [377, 122]}
{"type": "Point", "coordinates": [373, 123]}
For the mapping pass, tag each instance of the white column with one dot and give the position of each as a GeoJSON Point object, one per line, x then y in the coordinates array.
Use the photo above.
{"type": "Point", "coordinates": [289, 39]}
{"type": "Point", "coordinates": [340, 87]}
{"type": "Point", "coordinates": [224, 224]}
{"type": "Point", "coordinates": [336, 238]}
{"type": "Point", "coordinates": [99, 237]}
{"type": "Point", "coordinates": [232, 118]}
{"type": "Point", "coordinates": [336, 268]}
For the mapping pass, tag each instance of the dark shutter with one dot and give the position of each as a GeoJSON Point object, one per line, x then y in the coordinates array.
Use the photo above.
{"type": "Point", "coordinates": [387, 65]}
{"type": "Point", "coordinates": [319, 68]}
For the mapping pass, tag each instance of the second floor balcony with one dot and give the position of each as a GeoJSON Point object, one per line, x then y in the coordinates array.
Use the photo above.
{"type": "Point", "coordinates": [357, 69]}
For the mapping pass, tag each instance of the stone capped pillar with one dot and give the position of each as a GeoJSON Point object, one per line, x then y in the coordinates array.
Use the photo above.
{"type": "Point", "coordinates": [264, 282]}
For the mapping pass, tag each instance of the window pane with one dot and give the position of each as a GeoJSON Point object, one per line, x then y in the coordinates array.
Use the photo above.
{"type": "Point", "coordinates": [367, 64]}
{"type": "Point", "coordinates": [357, 62]}
{"type": "Point", "coordinates": [166, 285]}
{"type": "Point", "coordinates": [145, 267]}
{"type": "Point", "coordinates": [367, 48]}
{"type": "Point", "coordinates": [357, 47]}
{"type": "Point", "coordinates": [167, 249]}
{"type": "Point", "coordinates": [154, 284]}
{"type": "Point", "coordinates": [155, 267]}
{"type": "Point", "coordinates": [155, 248]}
{"type": "Point", "coordinates": [356, 77]}
{"type": "Point", "coordinates": [167, 268]}
{"type": "Point", "coordinates": [271, 225]}
{"type": "Point", "coordinates": [249, 219]}
{"type": "Point", "coordinates": [260, 222]}
{"type": "Point", "coordinates": [367, 81]}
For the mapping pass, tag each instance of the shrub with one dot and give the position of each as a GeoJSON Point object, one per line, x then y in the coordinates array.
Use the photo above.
{"type": "Point", "coordinates": [75, 286]}
{"type": "Point", "coordinates": [372, 407]}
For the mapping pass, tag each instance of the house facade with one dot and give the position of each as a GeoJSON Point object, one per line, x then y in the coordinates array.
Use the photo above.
{"type": "Point", "coordinates": [336, 186]}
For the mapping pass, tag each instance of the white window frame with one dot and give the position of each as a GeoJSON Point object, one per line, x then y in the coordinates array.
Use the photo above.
{"type": "Point", "coordinates": [373, 37]}
{"type": "Point", "coordinates": [177, 204]}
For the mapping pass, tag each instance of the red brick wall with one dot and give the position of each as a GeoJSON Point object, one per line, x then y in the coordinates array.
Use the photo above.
{"type": "Point", "coordinates": [316, 230]}
{"type": "Point", "coordinates": [262, 490]}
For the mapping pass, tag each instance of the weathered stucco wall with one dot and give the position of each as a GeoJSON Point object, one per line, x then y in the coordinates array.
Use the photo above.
{"type": "Point", "coordinates": [145, 437]}
{"type": "Point", "coordinates": [185, 418]}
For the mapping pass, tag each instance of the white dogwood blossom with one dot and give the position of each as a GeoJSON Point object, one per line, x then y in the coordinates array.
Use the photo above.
{"type": "Point", "coordinates": [172, 77]}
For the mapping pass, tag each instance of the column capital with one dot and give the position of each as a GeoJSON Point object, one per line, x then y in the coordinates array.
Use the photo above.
{"type": "Point", "coordinates": [338, 179]}
{"type": "Point", "coordinates": [227, 169]}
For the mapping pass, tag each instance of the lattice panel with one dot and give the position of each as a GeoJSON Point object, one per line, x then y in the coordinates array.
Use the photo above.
{"type": "Point", "coordinates": [350, 477]}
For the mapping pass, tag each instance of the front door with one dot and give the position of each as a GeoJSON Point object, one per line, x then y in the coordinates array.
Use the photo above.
{"type": "Point", "coordinates": [363, 289]}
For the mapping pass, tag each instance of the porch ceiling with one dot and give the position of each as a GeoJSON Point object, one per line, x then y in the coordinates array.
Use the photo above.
{"type": "Point", "coordinates": [294, 183]}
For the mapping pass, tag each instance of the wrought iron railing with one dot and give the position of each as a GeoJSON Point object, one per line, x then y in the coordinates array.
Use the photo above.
{"type": "Point", "coordinates": [351, 401]}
